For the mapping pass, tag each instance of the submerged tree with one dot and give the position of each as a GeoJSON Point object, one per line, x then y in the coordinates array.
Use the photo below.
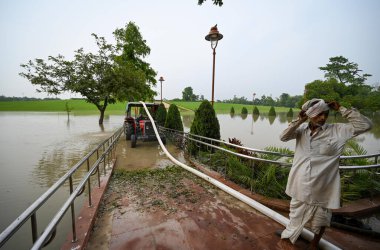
{"type": "Point", "coordinates": [113, 73]}
{"type": "Point", "coordinates": [272, 111]}
{"type": "Point", "coordinates": [256, 111]}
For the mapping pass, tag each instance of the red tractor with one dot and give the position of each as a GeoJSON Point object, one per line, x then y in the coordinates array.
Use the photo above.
{"type": "Point", "coordinates": [137, 125]}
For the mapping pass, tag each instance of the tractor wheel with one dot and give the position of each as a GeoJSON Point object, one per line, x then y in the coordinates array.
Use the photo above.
{"type": "Point", "coordinates": [133, 141]}
{"type": "Point", "coordinates": [128, 131]}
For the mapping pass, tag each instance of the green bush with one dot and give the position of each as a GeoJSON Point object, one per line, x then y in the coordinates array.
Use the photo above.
{"type": "Point", "coordinates": [256, 111]}
{"type": "Point", "coordinates": [232, 111]}
{"type": "Point", "coordinates": [205, 122]}
{"type": "Point", "coordinates": [161, 115]}
{"type": "Point", "coordinates": [272, 111]}
{"type": "Point", "coordinates": [244, 111]}
{"type": "Point", "coordinates": [290, 113]}
{"type": "Point", "coordinates": [173, 118]}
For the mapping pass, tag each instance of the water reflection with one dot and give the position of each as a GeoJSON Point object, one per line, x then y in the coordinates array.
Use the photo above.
{"type": "Point", "coordinates": [271, 119]}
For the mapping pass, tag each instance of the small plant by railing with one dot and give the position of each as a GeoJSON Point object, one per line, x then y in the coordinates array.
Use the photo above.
{"type": "Point", "coordinates": [265, 171]}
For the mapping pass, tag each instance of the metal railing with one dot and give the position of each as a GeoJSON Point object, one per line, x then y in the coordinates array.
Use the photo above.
{"type": "Point", "coordinates": [104, 153]}
{"type": "Point", "coordinates": [203, 140]}
{"type": "Point", "coordinates": [252, 168]}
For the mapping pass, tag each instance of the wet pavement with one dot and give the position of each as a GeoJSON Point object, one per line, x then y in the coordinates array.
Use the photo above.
{"type": "Point", "coordinates": [186, 213]}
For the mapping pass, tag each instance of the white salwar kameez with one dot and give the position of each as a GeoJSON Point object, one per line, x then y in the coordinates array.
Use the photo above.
{"type": "Point", "coordinates": [314, 179]}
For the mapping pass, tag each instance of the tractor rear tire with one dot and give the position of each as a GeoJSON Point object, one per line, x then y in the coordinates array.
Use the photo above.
{"type": "Point", "coordinates": [133, 141]}
{"type": "Point", "coordinates": [128, 131]}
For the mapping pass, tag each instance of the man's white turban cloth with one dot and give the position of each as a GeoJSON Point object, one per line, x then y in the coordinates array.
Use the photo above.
{"type": "Point", "coordinates": [314, 107]}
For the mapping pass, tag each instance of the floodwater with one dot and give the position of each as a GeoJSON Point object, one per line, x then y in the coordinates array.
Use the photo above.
{"type": "Point", "coordinates": [36, 149]}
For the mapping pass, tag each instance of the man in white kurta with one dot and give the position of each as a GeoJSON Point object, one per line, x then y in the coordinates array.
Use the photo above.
{"type": "Point", "coordinates": [314, 180]}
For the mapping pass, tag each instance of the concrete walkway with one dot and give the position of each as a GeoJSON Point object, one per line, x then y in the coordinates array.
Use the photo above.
{"type": "Point", "coordinates": [201, 217]}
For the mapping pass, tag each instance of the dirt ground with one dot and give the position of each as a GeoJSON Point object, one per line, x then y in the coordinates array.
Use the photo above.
{"type": "Point", "coordinates": [161, 207]}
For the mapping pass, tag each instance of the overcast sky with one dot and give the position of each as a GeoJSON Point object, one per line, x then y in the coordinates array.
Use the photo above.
{"type": "Point", "coordinates": [269, 47]}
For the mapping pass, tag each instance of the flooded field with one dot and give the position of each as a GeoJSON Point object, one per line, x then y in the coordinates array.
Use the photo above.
{"type": "Point", "coordinates": [36, 149]}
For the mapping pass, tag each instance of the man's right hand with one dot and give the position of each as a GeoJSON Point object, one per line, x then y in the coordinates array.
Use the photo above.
{"type": "Point", "coordinates": [302, 115]}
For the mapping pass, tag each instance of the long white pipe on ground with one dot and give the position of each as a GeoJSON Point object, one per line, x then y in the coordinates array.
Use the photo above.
{"type": "Point", "coordinates": [306, 234]}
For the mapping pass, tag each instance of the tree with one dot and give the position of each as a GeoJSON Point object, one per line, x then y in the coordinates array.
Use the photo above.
{"type": "Point", "coordinates": [173, 118]}
{"type": "Point", "coordinates": [205, 122]}
{"type": "Point", "coordinates": [161, 115]}
{"type": "Point", "coordinates": [344, 71]}
{"type": "Point", "coordinates": [216, 2]}
{"type": "Point", "coordinates": [290, 113]}
{"type": "Point", "coordinates": [114, 73]}
{"type": "Point", "coordinates": [272, 111]}
{"type": "Point", "coordinates": [328, 90]}
{"type": "Point", "coordinates": [256, 111]}
{"type": "Point", "coordinates": [188, 95]}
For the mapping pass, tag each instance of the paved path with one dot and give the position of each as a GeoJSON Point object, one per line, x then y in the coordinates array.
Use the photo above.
{"type": "Point", "coordinates": [207, 218]}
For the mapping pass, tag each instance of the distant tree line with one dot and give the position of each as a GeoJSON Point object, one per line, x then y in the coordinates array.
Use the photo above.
{"type": "Point", "coordinates": [285, 100]}
{"type": "Point", "coordinates": [14, 98]}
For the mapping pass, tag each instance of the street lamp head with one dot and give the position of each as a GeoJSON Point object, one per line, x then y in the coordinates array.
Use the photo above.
{"type": "Point", "coordinates": [161, 79]}
{"type": "Point", "coordinates": [214, 36]}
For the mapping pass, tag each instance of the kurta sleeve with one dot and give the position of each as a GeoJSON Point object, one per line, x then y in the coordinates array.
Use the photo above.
{"type": "Point", "coordinates": [359, 122]}
{"type": "Point", "coordinates": [292, 130]}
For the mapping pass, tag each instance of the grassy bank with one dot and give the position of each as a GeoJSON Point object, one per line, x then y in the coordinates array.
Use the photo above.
{"type": "Point", "coordinates": [81, 106]}
{"type": "Point", "coordinates": [224, 108]}
{"type": "Point", "coordinates": [76, 106]}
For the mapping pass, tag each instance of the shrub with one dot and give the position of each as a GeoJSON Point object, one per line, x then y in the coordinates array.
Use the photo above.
{"type": "Point", "coordinates": [256, 111]}
{"type": "Point", "coordinates": [290, 113]}
{"type": "Point", "coordinates": [272, 111]}
{"type": "Point", "coordinates": [244, 111]}
{"type": "Point", "coordinates": [173, 118]}
{"type": "Point", "coordinates": [205, 122]}
{"type": "Point", "coordinates": [232, 111]}
{"type": "Point", "coordinates": [161, 115]}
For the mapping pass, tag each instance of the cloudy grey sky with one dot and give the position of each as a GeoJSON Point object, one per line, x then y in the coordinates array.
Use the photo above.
{"type": "Point", "coordinates": [269, 47]}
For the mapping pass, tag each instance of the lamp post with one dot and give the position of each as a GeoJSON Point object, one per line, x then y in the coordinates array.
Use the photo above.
{"type": "Point", "coordinates": [213, 36]}
{"type": "Point", "coordinates": [161, 80]}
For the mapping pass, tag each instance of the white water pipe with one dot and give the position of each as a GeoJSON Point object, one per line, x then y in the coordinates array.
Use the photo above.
{"type": "Point", "coordinates": [306, 234]}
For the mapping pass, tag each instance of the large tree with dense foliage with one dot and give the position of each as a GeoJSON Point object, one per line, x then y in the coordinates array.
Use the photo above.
{"type": "Point", "coordinates": [346, 84]}
{"type": "Point", "coordinates": [344, 71]}
{"type": "Point", "coordinates": [113, 73]}
{"type": "Point", "coordinates": [188, 95]}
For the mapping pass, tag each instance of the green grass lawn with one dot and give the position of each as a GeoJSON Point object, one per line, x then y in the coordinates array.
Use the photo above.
{"type": "Point", "coordinates": [224, 108]}
{"type": "Point", "coordinates": [81, 107]}
{"type": "Point", "coordinates": [76, 106]}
